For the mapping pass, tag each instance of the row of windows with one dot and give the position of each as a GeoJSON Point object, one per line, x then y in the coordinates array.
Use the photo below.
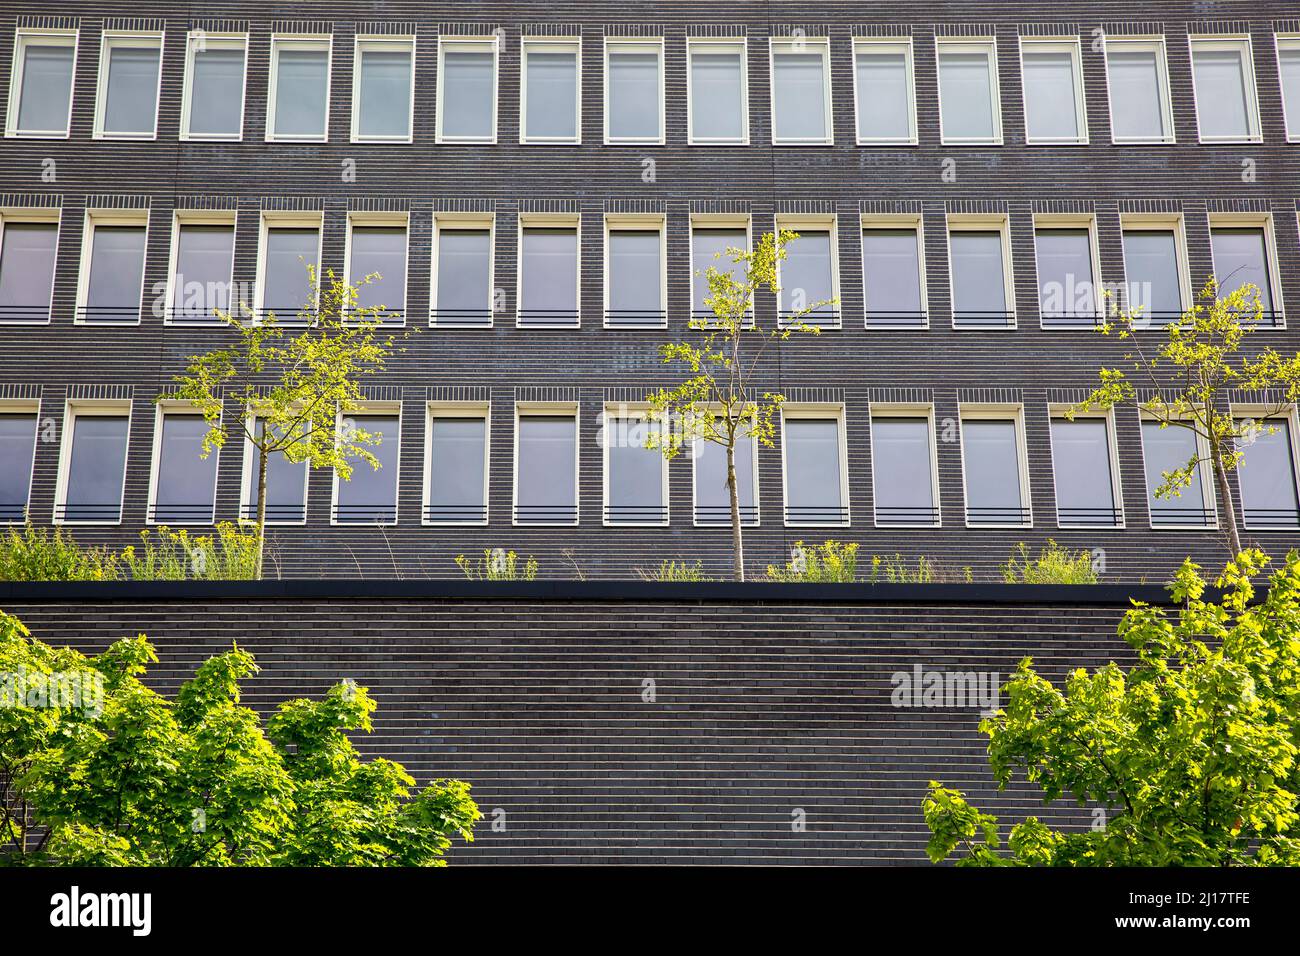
{"type": "Point", "coordinates": [464, 292]}
{"type": "Point", "coordinates": [815, 484]}
{"type": "Point", "coordinates": [718, 102]}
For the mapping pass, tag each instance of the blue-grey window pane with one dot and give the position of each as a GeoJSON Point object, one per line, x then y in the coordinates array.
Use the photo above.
{"type": "Point", "coordinates": [717, 96]}
{"type": "Point", "coordinates": [456, 480]}
{"type": "Point", "coordinates": [1289, 66]}
{"type": "Point", "coordinates": [634, 96]}
{"type": "Point", "coordinates": [904, 481]}
{"type": "Point", "coordinates": [380, 251]}
{"type": "Point", "coordinates": [47, 88]}
{"type": "Point", "coordinates": [385, 107]}
{"type": "Point", "coordinates": [217, 92]}
{"type": "Point", "coordinates": [464, 275]}
{"type": "Point", "coordinates": [1151, 261]}
{"type": "Point", "coordinates": [1065, 283]}
{"type": "Point", "coordinates": [552, 95]}
{"type": "Point", "coordinates": [289, 252]}
{"type": "Point", "coordinates": [979, 291]}
{"type": "Point", "coordinates": [468, 92]}
{"type": "Point", "coordinates": [884, 110]}
{"type": "Point", "coordinates": [807, 275]}
{"type": "Point", "coordinates": [132, 103]}
{"type": "Point", "coordinates": [1051, 103]}
{"type": "Point", "coordinates": [636, 490]}
{"type": "Point", "coordinates": [966, 96]}
{"type": "Point", "coordinates": [812, 470]}
{"type": "Point", "coordinates": [371, 494]}
{"type": "Point", "coordinates": [992, 470]}
{"type": "Point", "coordinates": [1221, 102]}
{"type": "Point", "coordinates": [799, 96]}
{"type": "Point", "coordinates": [1166, 450]}
{"type": "Point", "coordinates": [635, 276]}
{"type": "Point", "coordinates": [204, 258]}
{"type": "Point", "coordinates": [1267, 477]}
{"type": "Point", "coordinates": [547, 469]}
{"type": "Point", "coordinates": [27, 271]}
{"type": "Point", "coordinates": [286, 485]}
{"type": "Point", "coordinates": [186, 481]}
{"type": "Point", "coordinates": [712, 500]}
{"type": "Point", "coordinates": [549, 279]}
{"type": "Point", "coordinates": [706, 246]}
{"type": "Point", "coordinates": [1136, 110]}
{"type": "Point", "coordinates": [95, 468]}
{"type": "Point", "coordinates": [1241, 258]}
{"type": "Point", "coordinates": [1081, 465]}
{"type": "Point", "coordinates": [301, 87]}
{"type": "Point", "coordinates": [116, 273]}
{"type": "Point", "coordinates": [17, 447]}
{"type": "Point", "coordinates": [891, 267]}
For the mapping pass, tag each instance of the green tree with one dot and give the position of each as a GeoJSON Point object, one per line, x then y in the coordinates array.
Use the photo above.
{"type": "Point", "coordinates": [1191, 753]}
{"type": "Point", "coordinates": [287, 388]}
{"type": "Point", "coordinates": [720, 402]}
{"type": "Point", "coordinates": [96, 769]}
{"type": "Point", "coordinates": [1186, 384]}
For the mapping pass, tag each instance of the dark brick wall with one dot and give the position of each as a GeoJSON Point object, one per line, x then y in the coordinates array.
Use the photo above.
{"type": "Point", "coordinates": [851, 365]}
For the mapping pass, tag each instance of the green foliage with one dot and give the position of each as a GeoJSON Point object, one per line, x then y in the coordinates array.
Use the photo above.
{"type": "Point", "coordinates": [42, 554]}
{"type": "Point", "coordinates": [1054, 565]}
{"type": "Point", "coordinates": [229, 555]}
{"type": "Point", "coordinates": [1191, 753]}
{"type": "Point", "coordinates": [124, 777]}
{"type": "Point", "coordinates": [830, 562]}
{"type": "Point", "coordinates": [497, 564]}
{"type": "Point", "coordinates": [895, 569]}
{"type": "Point", "coordinates": [670, 570]}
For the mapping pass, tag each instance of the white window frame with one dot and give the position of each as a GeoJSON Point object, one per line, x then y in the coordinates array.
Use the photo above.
{"type": "Point", "coordinates": [23, 215]}
{"type": "Point", "coordinates": [72, 410]}
{"type": "Point", "coordinates": [1290, 118]}
{"type": "Point", "coordinates": [827, 223]}
{"type": "Point", "coordinates": [1209, 496]}
{"type": "Point", "coordinates": [196, 41]}
{"type": "Point", "coordinates": [988, 45]}
{"type": "Point", "coordinates": [23, 406]}
{"type": "Point", "coordinates": [298, 41]}
{"type": "Point", "coordinates": [558, 45]}
{"type": "Point", "coordinates": [870, 222]}
{"type": "Point", "coordinates": [547, 409]}
{"type": "Point", "coordinates": [248, 479]}
{"type": "Point", "coordinates": [1241, 44]}
{"type": "Point", "coordinates": [126, 38]}
{"type": "Point", "coordinates": [546, 220]}
{"type": "Point", "coordinates": [651, 222]}
{"type": "Point", "coordinates": [162, 410]}
{"type": "Point", "coordinates": [820, 45]}
{"type": "Point", "coordinates": [1156, 45]}
{"type": "Point", "coordinates": [23, 39]}
{"type": "Point", "coordinates": [456, 409]}
{"type": "Point", "coordinates": [274, 219]}
{"type": "Point", "coordinates": [108, 217]}
{"type": "Point", "coordinates": [1088, 221]}
{"type": "Point", "coordinates": [653, 45]}
{"type": "Point", "coordinates": [368, 408]}
{"type": "Point", "coordinates": [629, 412]}
{"type": "Point", "coordinates": [467, 44]}
{"type": "Point", "coordinates": [380, 43]}
{"type": "Point", "coordinates": [997, 412]}
{"type": "Point", "coordinates": [715, 221]}
{"type": "Point", "coordinates": [901, 44]}
{"type": "Point", "coordinates": [198, 217]}
{"type": "Point", "coordinates": [1262, 414]}
{"type": "Point", "coordinates": [1055, 411]}
{"type": "Point", "coordinates": [1158, 222]}
{"type": "Point", "coordinates": [818, 411]}
{"type": "Point", "coordinates": [718, 45]}
{"type": "Point", "coordinates": [907, 410]}
{"type": "Point", "coordinates": [1059, 44]}
{"type": "Point", "coordinates": [696, 454]}
{"type": "Point", "coordinates": [1001, 223]}
{"type": "Point", "coordinates": [385, 220]}
{"type": "Point", "coordinates": [457, 222]}
{"type": "Point", "coordinates": [1264, 222]}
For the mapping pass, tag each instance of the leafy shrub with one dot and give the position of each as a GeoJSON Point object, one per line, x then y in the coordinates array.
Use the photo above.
{"type": "Point", "coordinates": [44, 554]}
{"type": "Point", "coordinates": [1054, 565]}
{"type": "Point", "coordinates": [229, 555]}
{"type": "Point", "coordinates": [675, 571]}
{"type": "Point", "coordinates": [830, 562]}
{"type": "Point", "coordinates": [497, 564]}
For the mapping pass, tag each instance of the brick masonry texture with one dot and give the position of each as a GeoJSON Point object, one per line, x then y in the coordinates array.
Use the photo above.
{"type": "Point", "coordinates": [761, 709]}
{"type": "Point", "coordinates": [850, 365]}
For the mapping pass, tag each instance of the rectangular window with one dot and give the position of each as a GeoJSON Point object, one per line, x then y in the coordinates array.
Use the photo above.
{"type": "Point", "coordinates": [551, 104]}
{"type": "Point", "coordinates": [1267, 476]}
{"type": "Point", "coordinates": [1224, 82]}
{"type": "Point", "coordinates": [546, 467]}
{"type": "Point", "coordinates": [1166, 449]}
{"type": "Point", "coordinates": [286, 484]}
{"type": "Point", "coordinates": [979, 262]}
{"type": "Point", "coordinates": [1155, 271]}
{"type": "Point", "coordinates": [903, 477]}
{"type": "Point", "coordinates": [214, 87]}
{"type": "Point", "coordinates": [1138, 86]}
{"type": "Point", "coordinates": [17, 453]}
{"type": "Point", "coordinates": [801, 92]}
{"type": "Point", "coordinates": [467, 90]}
{"type": "Point", "coordinates": [1053, 85]}
{"type": "Point", "coordinates": [383, 95]}
{"type": "Point", "coordinates": [548, 274]}
{"type": "Point", "coordinates": [1288, 68]}
{"type": "Point", "coordinates": [377, 249]}
{"type": "Point", "coordinates": [709, 244]}
{"type": "Point", "coordinates": [370, 495]}
{"type": "Point", "coordinates": [635, 279]}
{"type": "Point", "coordinates": [994, 470]}
{"type": "Point", "coordinates": [1083, 465]}
{"type": "Point", "coordinates": [718, 93]}
{"type": "Point", "coordinates": [299, 94]}
{"type": "Point", "coordinates": [203, 257]}
{"type": "Point", "coordinates": [884, 94]}
{"type": "Point", "coordinates": [290, 245]}
{"type": "Point", "coordinates": [636, 477]}
{"type": "Point", "coordinates": [28, 252]}
{"type": "Point", "coordinates": [93, 469]}
{"type": "Point", "coordinates": [112, 269]}
{"type": "Point", "coordinates": [1243, 255]}
{"type": "Point", "coordinates": [816, 488]}
{"type": "Point", "coordinates": [129, 76]}
{"type": "Point", "coordinates": [634, 91]}
{"type": "Point", "coordinates": [893, 277]}
{"type": "Point", "coordinates": [456, 473]}
{"type": "Point", "coordinates": [1067, 285]}
{"type": "Point", "coordinates": [462, 271]}
{"type": "Point", "coordinates": [808, 275]}
{"type": "Point", "coordinates": [184, 482]}
{"type": "Point", "coordinates": [712, 499]}
{"type": "Point", "coordinates": [970, 110]}
{"type": "Point", "coordinates": [40, 88]}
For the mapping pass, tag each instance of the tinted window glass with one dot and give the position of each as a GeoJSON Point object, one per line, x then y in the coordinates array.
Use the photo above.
{"type": "Point", "coordinates": [547, 469]}
{"type": "Point", "coordinates": [966, 95]}
{"type": "Point", "coordinates": [17, 446]}
{"type": "Point", "coordinates": [468, 95]}
{"type": "Point", "coordinates": [633, 95]}
{"type": "Point", "coordinates": [549, 280]}
{"type": "Point", "coordinates": [1241, 258]}
{"type": "Point", "coordinates": [891, 268]}
{"type": "Point", "coordinates": [1051, 104]}
{"type": "Point", "coordinates": [95, 468]}
{"type": "Point", "coordinates": [1167, 450]}
{"type": "Point", "coordinates": [807, 276]}
{"type": "Point", "coordinates": [636, 492]}
{"type": "Point", "coordinates": [1065, 285]}
{"type": "Point", "coordinates": [979, 292]}
{"type": "Point", "coordinates": [1151, 261]}
{"type": "Point", "coordinates": [717, 96]}
{"type": "Point", "coordinates": [186, 482]}
{"type": "Point", "coordinates": [903, 474]}
{"type": "Point", "coordinates": [381, 251]}
{"type": "Point", "coordinates": [286, 486]}
{"type": "Point", "coordinates": [635, 277]}
{"type": "Point", "coordinates": [47, 88]}
{"type": "Point", "coordinates": [456, 475]}
{"type": "Point", "coordinates": [464, 276]}
{"type": "Point", "coordinates": [27, 257]}
{"type": "Point", "coordinates": [204, 257]}
{"type": "Point", "coordinates": [884, 105]}
{"type": "Point", "coordinates": [552, 95]}
{"type": "Point", "coordinates": [991, 460]}
{"type": "Point", "coordinates": [1222, 108]}
{"type": "Point", "coordinates": [301, 88]}
{"type": "Point", "coordinates": [1081, 465]}
{"type": "Point", "coordinates": [712, 500]}
{"type": "Point", "coordinates": [1267, 477]}
{"type": "Point", "coordinates": [116, 271]}
{"type": "Point", "coordinates": [385, 97]}
{"type": "Point", "coordinates": [1136, 94]}
{"type": "Point", "coordinates": [706, 244]}
{"type": "Point", "coordinates": [287, 287]}
{"type": "Point", "coordinates": [217, 92]}
{"type": "Point", "coordinates": [799, 96]}
{"type": "Point", "coordinates": [131, 103]}
{"type": "Point", "coordinates": [370, 495]}
{"type": "Point", "coordinates": [812, 470]}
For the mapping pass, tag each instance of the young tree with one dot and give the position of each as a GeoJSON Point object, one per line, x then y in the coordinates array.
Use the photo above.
{"type": "Point", "coordinates": [720, 402]}
{"type": "Point", "coordinates": [288, 387]}
{"type": "Point", "coordinates": [1186, 384]}
{"type": "Point", "coordinates": [1191, 754]}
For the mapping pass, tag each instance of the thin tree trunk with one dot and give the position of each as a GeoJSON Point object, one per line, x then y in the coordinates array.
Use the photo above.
{"type": "Point", "coordinates": [261, 512]}
{"type": "Point", "coordinates": [737, 544]}
{"type": "Point", "coordinates": [1225, 495]}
